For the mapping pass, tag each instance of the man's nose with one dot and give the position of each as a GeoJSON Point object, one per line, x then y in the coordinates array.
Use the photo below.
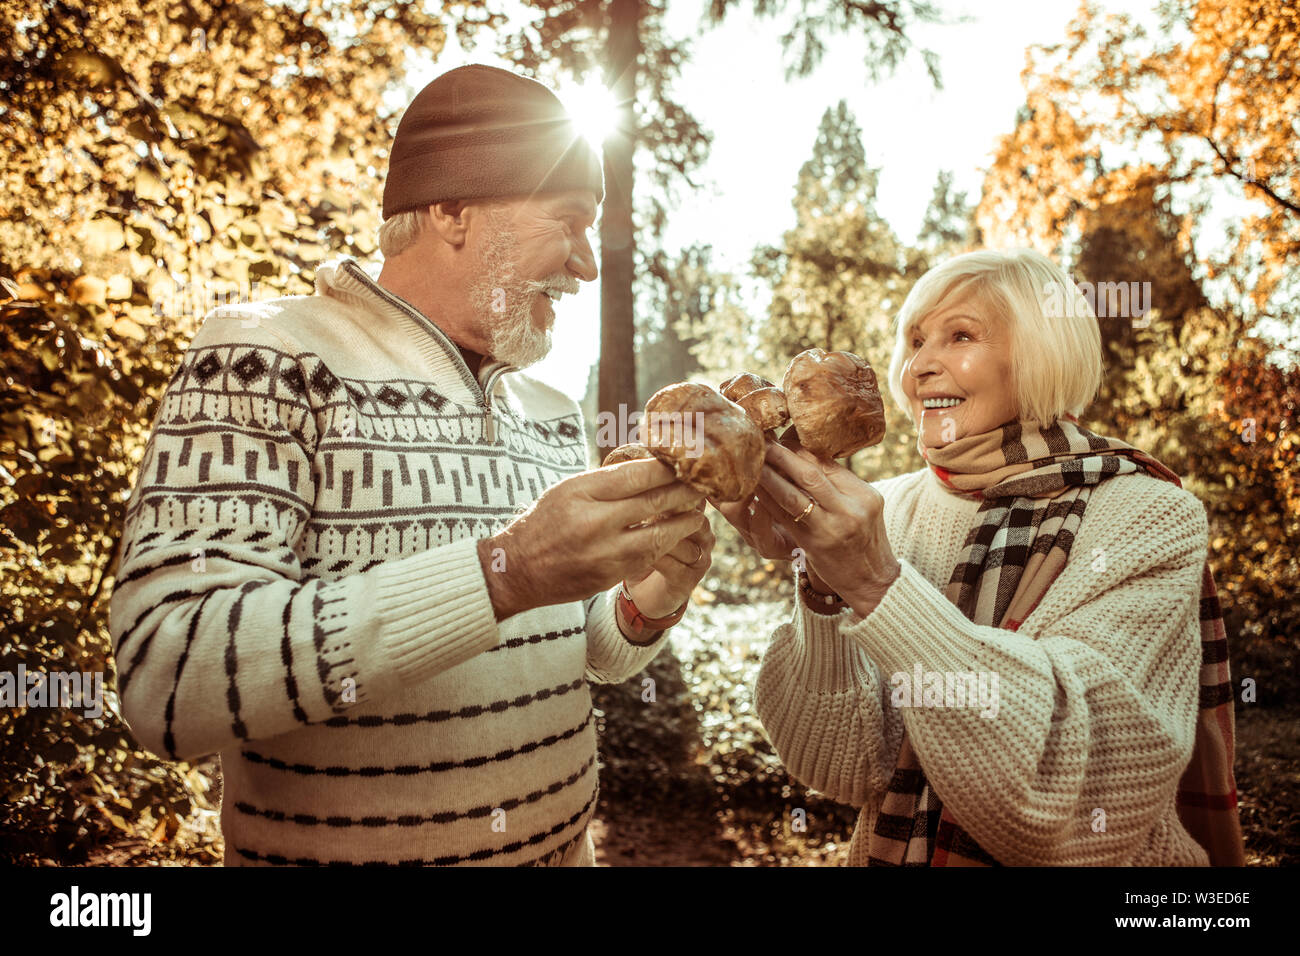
{"type": "Point", "coordinates": [582, 261]}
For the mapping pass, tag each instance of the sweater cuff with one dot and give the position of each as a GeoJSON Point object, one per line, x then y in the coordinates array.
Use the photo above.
{"type": "Point", "coordinates": [823, 658]}
{"type": "Point", "coordinates": [610, 655]}
{"type": "Point", "coordinates": [913, 623]}
{"type": "Point", "coordinates": [434, 611]}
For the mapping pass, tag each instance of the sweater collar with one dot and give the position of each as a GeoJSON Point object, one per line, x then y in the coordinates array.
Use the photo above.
{"type": "Point", "coordinates": [343, 278]}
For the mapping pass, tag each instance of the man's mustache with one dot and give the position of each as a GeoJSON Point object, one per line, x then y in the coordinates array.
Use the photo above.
{"type": "Point", "coordinates": [555, 286]}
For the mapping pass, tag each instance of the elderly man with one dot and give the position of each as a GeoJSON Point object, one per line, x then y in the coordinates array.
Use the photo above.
{"type": "Point", "coordinates": [362, 561]}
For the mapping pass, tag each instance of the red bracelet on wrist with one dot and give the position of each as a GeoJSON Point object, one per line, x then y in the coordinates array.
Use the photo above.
{"type": "Point", "coordinates": [637, 623]}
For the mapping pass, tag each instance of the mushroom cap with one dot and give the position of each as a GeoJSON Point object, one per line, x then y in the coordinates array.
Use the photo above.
{"type": "Point", "coordinates": [635, 451]}
{"type": "Point", "coordinates": [763, 401]}
{"type": "Point", "coordinates": [629, 452]}
{"type": "Point", "coordinates": [766, 407]}
{"type": "Point", "coordinates": [834, 402]}
{"type": "Point", "coordinates": [738, 386]}
{"type": "Point", "coordinates": [711, 443]}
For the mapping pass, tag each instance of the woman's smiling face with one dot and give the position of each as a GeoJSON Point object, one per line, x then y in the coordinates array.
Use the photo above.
{"type": "Point", "coordinates": [959, 351]}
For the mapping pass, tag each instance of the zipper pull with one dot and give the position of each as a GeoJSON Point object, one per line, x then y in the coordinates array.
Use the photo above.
{"type": "Point", "coordinates": [490, 425]}
{"type": "Point", "coordinates": [489, 421]}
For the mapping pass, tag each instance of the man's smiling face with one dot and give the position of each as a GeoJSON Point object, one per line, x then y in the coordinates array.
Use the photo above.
{"type": "Point", "coordinates": [532, 251]}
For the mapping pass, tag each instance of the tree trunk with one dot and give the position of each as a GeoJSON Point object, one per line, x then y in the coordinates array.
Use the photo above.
{"type": "Point", "coordinates": [617, 389]}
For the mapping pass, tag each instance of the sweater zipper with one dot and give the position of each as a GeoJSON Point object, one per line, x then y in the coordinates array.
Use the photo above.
{"type": "Point", "coordinates": [482, 391]}
{"type": "Point", "coordinates": [489, 419]}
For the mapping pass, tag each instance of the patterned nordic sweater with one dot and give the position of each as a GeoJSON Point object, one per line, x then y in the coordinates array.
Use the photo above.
{"type": "Point", "coordinates": [299, 590]}
{"type": "Point", "coordinates": [1097, 691]}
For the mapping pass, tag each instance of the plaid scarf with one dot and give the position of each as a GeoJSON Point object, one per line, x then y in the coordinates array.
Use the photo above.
{"type": "Point", "coordinates": [1035, 484]}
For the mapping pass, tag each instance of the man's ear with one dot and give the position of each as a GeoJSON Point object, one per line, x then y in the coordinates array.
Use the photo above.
{"type": "Point", "coordinates": [449, 221]}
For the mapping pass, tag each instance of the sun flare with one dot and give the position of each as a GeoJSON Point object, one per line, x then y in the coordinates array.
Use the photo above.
{"type": "Point", "coordinates": [593, 108]}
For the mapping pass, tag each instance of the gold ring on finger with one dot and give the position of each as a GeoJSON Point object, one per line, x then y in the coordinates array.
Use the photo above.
{"type": "Point", "coordinates": [806, 511]}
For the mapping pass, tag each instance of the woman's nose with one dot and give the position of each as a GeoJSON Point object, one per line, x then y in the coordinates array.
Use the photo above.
{"type": "Point", "coordinates": [924, 362]}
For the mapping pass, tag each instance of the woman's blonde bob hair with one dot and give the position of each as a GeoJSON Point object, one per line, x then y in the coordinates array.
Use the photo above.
{"type": "Point", "coordinates": [1056, 363]}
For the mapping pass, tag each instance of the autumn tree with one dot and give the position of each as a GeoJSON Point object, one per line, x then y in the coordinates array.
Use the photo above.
{"type": "Point", "coordinates": [884, 28]}
{"type": "Point", "coordinates": [835, 281]}
{"type": "Point", "coordinates": [624, 42]}
{"type": "Point", "coordinates": [1211, 99]}
{"type": "Point", "coordinates": [159, 159]}
{"type": "Point", "coordinates": [839, 276]}
{"type": "Point", "coordinates": [665, 355]}
{"type": "Point", "coordinates": [948, 225]}
{"type": "Point", "coordinates": [623, 45]}
{"type": "Point", "coordinates": [1129, 150]}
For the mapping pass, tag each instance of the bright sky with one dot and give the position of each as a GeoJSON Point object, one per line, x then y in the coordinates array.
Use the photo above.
{"type": "Point", "coordinates": [763, 130]}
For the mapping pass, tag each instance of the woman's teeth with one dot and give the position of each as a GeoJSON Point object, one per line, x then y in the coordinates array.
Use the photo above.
{"type": "Point", "coordinates": [942, 402]}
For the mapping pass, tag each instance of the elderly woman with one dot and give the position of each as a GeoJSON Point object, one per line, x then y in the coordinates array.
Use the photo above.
{"type": "Point", "coordinates": [999, 658]}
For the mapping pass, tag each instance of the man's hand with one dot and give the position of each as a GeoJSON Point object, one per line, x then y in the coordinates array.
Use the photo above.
{"type": "Point", "coordinates": [661, 588]}
{"type": "Point", "coordinates": [577, 538]}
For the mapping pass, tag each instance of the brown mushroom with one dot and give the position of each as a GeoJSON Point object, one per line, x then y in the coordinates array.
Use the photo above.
{"type": "Point", "coordinates": [711, 443]}
{"type": "Point", "coordinates": [629, 452]}
{"type": "Point", "coordinates": [635, 451]}
{"type": "Point", "coordinates": [834, 402]}
{"type": "Point", "coordinates": [761, 400]}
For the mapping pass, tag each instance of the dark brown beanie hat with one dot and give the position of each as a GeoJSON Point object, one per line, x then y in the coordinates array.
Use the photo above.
{"type": "Point", "coordinates": [478, 132]}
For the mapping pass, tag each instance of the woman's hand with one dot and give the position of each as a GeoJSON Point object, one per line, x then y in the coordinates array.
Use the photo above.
{"type": "Point", "coordinates": [763, 532]}
{"type": "Point", "coordinates": [843, 535]}
{"type": "Point", "coordinates": [759, 528]}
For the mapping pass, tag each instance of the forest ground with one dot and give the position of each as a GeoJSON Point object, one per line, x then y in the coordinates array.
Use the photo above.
{"type": "Point", "coordinates": [1268, 779]}
{"type": "Point", "coordinates": [743, 819]}
{"type": "Point", "coordinates": [698, 784]}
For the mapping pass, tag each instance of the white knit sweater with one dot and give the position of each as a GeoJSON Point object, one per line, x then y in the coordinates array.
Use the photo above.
{"type": "Point", "coordinates": [300, 590]}
{"type": "Point", "coordinates": [1098, 689]}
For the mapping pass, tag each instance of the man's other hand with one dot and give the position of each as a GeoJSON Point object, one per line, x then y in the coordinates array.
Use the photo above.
{"type": "Point", "coordinates": [583, 536]}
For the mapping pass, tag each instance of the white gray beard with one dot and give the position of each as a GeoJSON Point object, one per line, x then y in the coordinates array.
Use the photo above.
{"type": "Point", "coordinates": [506, 303]}
{"type": "Point", "coordinates": [513, 338]}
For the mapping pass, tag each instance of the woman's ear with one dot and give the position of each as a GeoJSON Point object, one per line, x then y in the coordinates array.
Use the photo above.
{"type": "Point", "coordinates": [448, 221]}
